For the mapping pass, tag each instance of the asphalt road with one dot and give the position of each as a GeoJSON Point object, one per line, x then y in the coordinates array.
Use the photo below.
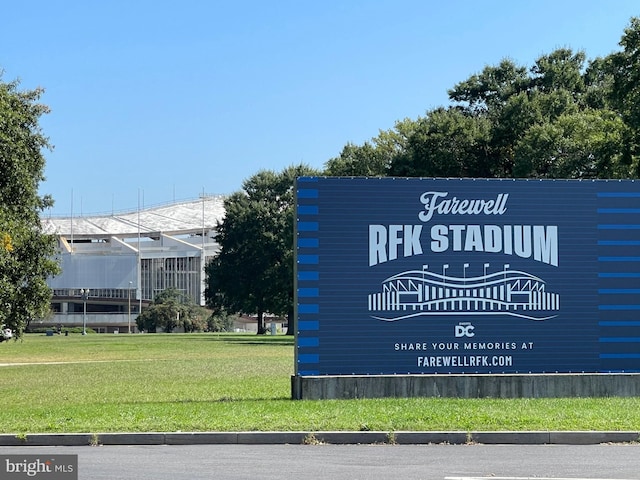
{"type": "Point", "coordinates": [349, 462]}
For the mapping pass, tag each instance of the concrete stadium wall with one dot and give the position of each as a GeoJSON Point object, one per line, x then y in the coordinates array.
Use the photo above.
{"type": "Point", "coordinates": [466, 386]}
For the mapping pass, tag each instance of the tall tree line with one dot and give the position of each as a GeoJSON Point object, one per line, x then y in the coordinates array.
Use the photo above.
{"type": "Point", "coordinates": [562, 117]}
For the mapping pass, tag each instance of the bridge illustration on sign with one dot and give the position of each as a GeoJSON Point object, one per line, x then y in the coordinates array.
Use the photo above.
{"type": "Point", "coordinates": [418, 293]}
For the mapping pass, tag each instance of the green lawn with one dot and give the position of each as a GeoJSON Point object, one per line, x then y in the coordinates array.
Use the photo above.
{"type": "Point", "coordinates": [209, 382]}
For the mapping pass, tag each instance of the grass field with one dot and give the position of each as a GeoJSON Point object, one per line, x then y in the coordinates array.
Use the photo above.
{"type": "Point", "coordinates": [210, 382]}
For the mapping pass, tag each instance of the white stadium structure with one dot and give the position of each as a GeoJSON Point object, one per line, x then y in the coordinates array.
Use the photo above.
{"type": "Point", "coordinates": [114, 265]}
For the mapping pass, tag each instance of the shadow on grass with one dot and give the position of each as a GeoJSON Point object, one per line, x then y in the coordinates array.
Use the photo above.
{"type": "Point", "coordinates": [236, 338]}
{"type": "Point", "coordinates": [248, 400]}
{"type": "Point", "coordinates": [215, 400]}
{"type": "Point", "coordinates": [256, 339]}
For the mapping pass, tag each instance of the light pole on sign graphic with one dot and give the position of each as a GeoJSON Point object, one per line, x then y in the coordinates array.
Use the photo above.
{"type": "Point", "coordinates": [444, 281]}
{"type": "Point", "coordinates": [424, 287]}
{"type": "Point", "coordinates": [506, 287]}
{"type": "Point", "coordinates": [84, 292]}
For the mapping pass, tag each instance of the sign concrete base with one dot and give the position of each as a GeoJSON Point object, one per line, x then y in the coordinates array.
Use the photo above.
{"type": "Point", "coordinates": [466, 386]}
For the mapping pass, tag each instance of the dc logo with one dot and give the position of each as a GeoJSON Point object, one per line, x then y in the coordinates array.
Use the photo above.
{"type": "Point", "coordinates": [464, 329]}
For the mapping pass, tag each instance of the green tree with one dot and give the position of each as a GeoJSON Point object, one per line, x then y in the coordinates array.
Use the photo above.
{"type": "Point", "coordinates": [373, 158]}
{"type": "Point", "coordinates": [624, 70]}
{"type": "Point", "coordinates": [580, 145]}
{"type": "Point", "coordinates": [220, 322]}
{"type": "Point", "coordinates": [512, 99]}
{"type": "Point", "coordinates": [618, 75]}
{"type": "Point", "coordinates": [553, 120]}
{"type": "Point", "coordinates": [357, 161]}
{"type": "Point", "coordinates": [26, 253]}
{"type": "Point", "coordinates": [490, 89]}
{"type": "Point", "coordinates": [253, 272]}
{"type": "Point", "coordinates": [562, 117]}
{"type": "Point", "coordinates": [172, 309]}
{"type": "Point", "coordinates": [446, 143]}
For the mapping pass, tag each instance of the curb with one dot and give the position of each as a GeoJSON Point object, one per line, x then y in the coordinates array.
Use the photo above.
{"type": "Point", "coordinates": [316, 438]}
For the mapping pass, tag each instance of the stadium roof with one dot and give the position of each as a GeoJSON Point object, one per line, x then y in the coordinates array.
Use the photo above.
{"type": "Point", "coordinates": [179, 218]}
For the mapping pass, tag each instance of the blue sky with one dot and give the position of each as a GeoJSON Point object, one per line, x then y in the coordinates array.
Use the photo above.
{"type": "Point", "coordinates": [153, 100]}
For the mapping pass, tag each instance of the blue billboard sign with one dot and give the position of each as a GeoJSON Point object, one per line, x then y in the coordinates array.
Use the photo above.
{"type": "Point", "coordinates": [412, 276]}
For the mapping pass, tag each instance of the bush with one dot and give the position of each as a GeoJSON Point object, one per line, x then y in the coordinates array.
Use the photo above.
{"type": "Point", "coordinates": [44, 330]}
{"type": "Point", "coordinates": [220, 322]}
